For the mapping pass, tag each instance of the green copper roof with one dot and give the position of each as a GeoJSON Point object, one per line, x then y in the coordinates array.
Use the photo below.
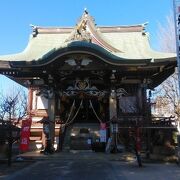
{"type": "Point", "coordinates": [133, 45]}
{"type": "Point", "coordinates": [119, 42]}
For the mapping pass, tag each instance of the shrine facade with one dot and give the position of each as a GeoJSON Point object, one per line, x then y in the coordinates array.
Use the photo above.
{"type": "Point", "coordinates": [88, 75]}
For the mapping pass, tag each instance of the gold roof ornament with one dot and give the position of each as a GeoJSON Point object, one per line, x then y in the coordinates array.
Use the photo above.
{"type": "Point", "coordinates": [80, 32]}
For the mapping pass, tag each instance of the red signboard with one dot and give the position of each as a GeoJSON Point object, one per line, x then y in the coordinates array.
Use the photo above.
{"type": "Point", "coordinates": [25, 134]}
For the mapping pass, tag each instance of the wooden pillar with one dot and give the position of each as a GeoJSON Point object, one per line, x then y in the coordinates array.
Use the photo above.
{"type": "Point", "coordinates": [51, 114]}
{"type": "Point", "coordinates": [140, 98]}
{"type": "Point", "coordinates": [30, 100]}
{"type": "Point", "coordinates": [113, 118]}
{"type": "Point", "coordinates": [112, 105]}
{"type": "Point", "coordinates": [60, 134]}
{"type": "Point", "coordinates": [147, 115]}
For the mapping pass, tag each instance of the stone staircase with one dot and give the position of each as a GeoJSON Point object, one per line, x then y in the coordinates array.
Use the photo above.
{"type": "Point", "coordinates": [79, 141]}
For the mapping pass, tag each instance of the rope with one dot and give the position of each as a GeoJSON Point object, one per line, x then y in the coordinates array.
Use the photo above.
{"type": "Point", "coordinates": [109, 121]}
{"type": "Point", "coordinates": [75, 114]}
{"type": "Point", "coordinates": [72, 107]}
{"type": "Point", "coordinates": [95, 112]}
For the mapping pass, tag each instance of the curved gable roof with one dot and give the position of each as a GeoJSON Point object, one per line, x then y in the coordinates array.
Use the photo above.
{"type": "Point", "coordinates": [121, 42]}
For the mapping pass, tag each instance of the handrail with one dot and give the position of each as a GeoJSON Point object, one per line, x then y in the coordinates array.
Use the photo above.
{"type": "Point", "coordinates": [142, 121]}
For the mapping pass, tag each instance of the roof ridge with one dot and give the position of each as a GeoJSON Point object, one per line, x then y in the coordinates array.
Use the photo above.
{"type": "Point", "coordinates": [100, 26]}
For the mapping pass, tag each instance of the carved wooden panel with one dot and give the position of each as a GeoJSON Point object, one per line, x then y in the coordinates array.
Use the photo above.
{"type": "Point", "coordinates": [128, 104]}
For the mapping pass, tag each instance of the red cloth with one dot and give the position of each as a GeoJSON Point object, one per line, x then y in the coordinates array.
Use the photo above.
{"type": "Point", "coordinates": [25, 134]}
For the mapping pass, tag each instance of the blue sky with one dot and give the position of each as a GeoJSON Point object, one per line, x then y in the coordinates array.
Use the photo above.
{"type": "Point", "coordinates": [15, 17]}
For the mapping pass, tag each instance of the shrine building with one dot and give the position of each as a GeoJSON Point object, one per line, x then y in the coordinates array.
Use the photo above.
{"type": "Point", "coordinates": [87, 76]}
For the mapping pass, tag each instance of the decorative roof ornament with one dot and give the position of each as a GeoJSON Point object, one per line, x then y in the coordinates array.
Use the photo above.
{"type": "Point", "coordinates": [34, 30]}
{"type": "Point", "coordinates": [81, 31]}
{"type": "Point", "coordinates": [86, 30]}
{"type": "Point", "coordinates": [85, 10]}
{"type": "Point", "coordinates": [144, 28]}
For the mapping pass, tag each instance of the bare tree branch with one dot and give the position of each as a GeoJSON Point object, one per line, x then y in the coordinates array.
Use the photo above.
{"type": "Point", "coordinates": [167, 96]}
{"type": "Point", "coordinates": [13, 107]}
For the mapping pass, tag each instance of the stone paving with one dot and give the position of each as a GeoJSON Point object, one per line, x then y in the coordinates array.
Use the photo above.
{"type": "Point", "coordinates": [16, 166]}
{"type": "Point", "coordinates": [87, 165]}
{"type": "Point", "coordinates": [29, 158]}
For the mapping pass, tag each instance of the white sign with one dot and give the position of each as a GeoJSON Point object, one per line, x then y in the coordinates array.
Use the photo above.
{"type": "Point", "coordinates": [89, 141]}
{"type": "Point", "coordinates": [102, 135]}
